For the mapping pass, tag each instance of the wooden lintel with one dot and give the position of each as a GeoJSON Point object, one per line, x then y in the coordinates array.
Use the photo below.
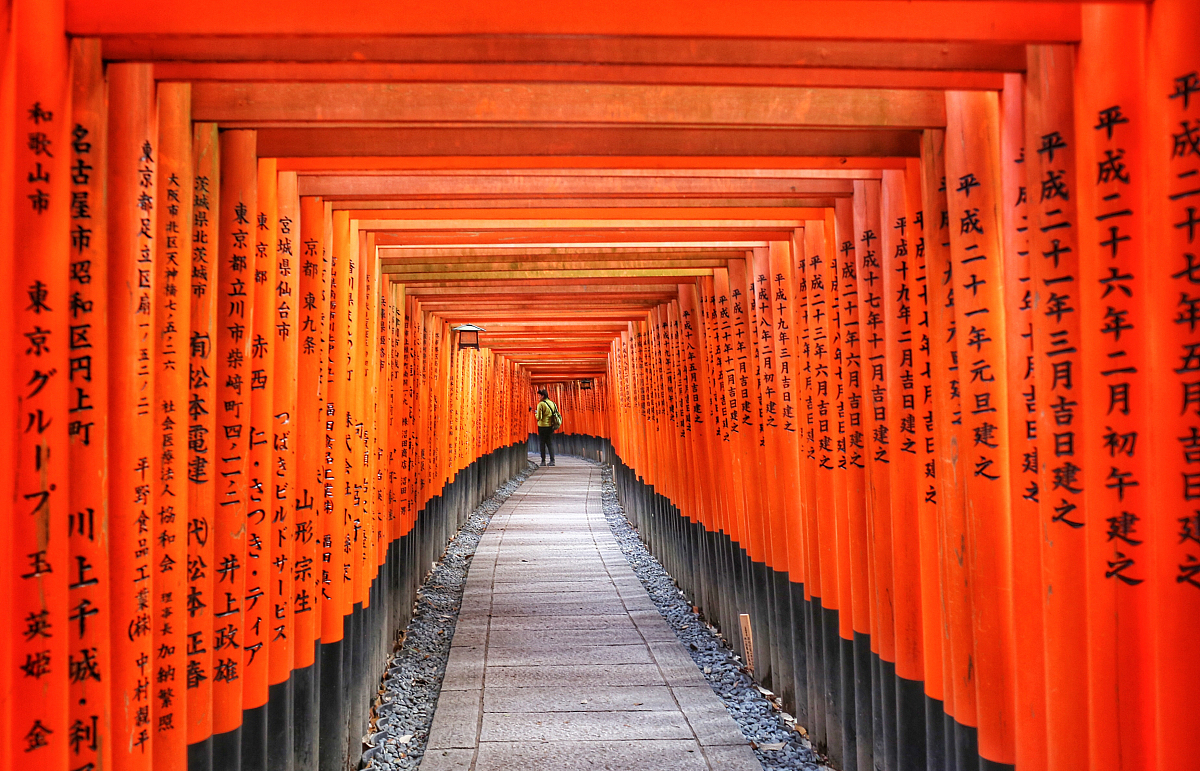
{"type": "Point", "coordinates": [800, 166]}
{"type": "Point", "coordinates": [565, 104]}
{"type": "Point", "coordinates": [648, 140]}
{"type": "Point", "coordinates": [552, 218]}
{"type": "Point", "coordinates": [543, 274]}
{"type": "Point", "coordinates": [539, 185]}
{"type": "Point", "coordinates": [451, 268]}
{"type": "Point", "coordinates": [386, 236]}
{"type": "Point", "coordinates": [776, 21]}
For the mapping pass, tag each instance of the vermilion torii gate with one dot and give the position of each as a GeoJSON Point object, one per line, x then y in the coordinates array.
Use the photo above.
{"type": "Point", "coordinates": [889, 311]}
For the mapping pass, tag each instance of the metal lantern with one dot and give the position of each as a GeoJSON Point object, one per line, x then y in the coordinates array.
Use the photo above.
{"type": "Point", "coordinates": [468, 336]}
{"type": "Point", "coordinates": [585, 384]}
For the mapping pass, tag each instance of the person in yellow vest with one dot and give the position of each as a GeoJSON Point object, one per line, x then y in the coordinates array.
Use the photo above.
{"type": "Point", "coordinates": [548, 421]}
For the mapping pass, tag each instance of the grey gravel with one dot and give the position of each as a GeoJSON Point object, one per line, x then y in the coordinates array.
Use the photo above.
{"type": "Point", "coordinates": [778, 745]}
{"type": "Point", "coordinates": [399, 728]}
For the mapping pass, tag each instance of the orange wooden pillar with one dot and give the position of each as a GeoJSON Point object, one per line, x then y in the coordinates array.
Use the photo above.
{"type": "Point", "coordinates": [706, 415]}
{"type": "Point", "coordinates": [849, 488]}
{"type": "Point", "coordinates": [770, 451]}
{"type": "Point", "coordinates": [202, 410]}
{"type": "Point", "coordinates": [133, 156]}
{"type": "Point", "coordinates": [335, 568]}
{"type": "Point", "coordinates": [235, 312]}
{"type": "Point", "coordinates": [880, 448]}
{"type": "Point", "coordinates": [1054, 256]}
{"type": "Point", "coordinates": [899, 269]}
{"type": "Point", "coordinates": [356, 314]}
{"type": "Point", "coordinates": [974, 194]}
{"type": "Point", "coordinates": [851, 416]}
{"type": "Point", "coordinates": [310, 268]}
{"type": "Point", "coordinates": [696, 388]}
{"type": "Point", "coordinates": [40, 625]}
{"type": "Point", "coordinates": [958, 695]}
{"type": "Point", "coordinates": [826, 499]}
{"type": "Point", "coordinates": [787, 342]}
{"type": "Point", "coordinates": [757, 499]}
{"type": "Point", "coordinates": [927, 506]}
{"type": "Point", "coordinates": [1029, 728]}
{"type": "Point", "coordinates": [814, 635]}
{"type": "Point", "coordinates": [783, 448]}
{"type": "Point", "coordinates": [1110, 135]}
{"type": "Point", "coordinates": [1172, 99]}
{"type": "Point", "coordinates": [721, 327]}
{"type": "Point", "coordinates": [87, 429]}
{"type": "Point", "coordinates": [258, 382]}
{"type": "Point", "coordinates": [7, 392]}
{"type": "Point", "coordinates": [172, 320]}
{"type": "Point", "coordinates": [284, 505]}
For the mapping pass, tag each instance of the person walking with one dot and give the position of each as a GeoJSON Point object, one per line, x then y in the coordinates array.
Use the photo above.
{"type": "Point", "coordinates": [548, 421]}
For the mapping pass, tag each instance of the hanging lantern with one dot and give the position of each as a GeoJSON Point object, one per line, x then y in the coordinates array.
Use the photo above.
{"type": "Point", "coordinates": [585, 384]}
{"type": "Point", "coordinates": [468, 336]}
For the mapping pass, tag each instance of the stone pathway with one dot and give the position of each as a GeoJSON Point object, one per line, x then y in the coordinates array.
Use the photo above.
{"type": "Point", "coordinates": [560, 660]}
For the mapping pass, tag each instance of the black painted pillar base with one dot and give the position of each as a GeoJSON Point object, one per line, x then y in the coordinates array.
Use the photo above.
{"type": "Point", "coordinates": [227, 750]}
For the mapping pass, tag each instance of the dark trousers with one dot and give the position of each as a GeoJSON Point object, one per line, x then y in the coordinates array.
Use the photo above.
{"type": "Point", "coordinates": [545, 437]}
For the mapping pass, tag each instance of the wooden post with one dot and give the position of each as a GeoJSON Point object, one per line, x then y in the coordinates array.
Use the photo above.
{"type": "Point", "coordinates": [310, 276]}
{"type": "Point", "coordinates": [825, 525]}
{"type": "Point", "coordinates": [40, 561]}
{"type": "Point", "coordinates": [258, 383]}
{"type": "Point", "coordinates": [1030, 675]}
{"type": "Point", "coordinates": [1054, 256]}
{"type": "Point", "coordinates": [87, 430]}
{"type": "Point", "coordinates": [335, 570]}
{"type": "Point", "coordinates": [1110, 135]}
{"type": "Point", "coordinates": [133, 156]}
{"type": "Point", "coordinates": [202, 411]}
{"type": "Point", "coordinates": [284, 505]}
{"type": "Point", "coordinates": [235, 313]}
{"type": "Point", "coordinates": [928, 514]}
{"type": "Point", "coordinates": [880, 449]}
{"type": "Point", "coordinates": [1172, 104]}
{"type": "Point", "coordinates": [172, 297]}
{"type": "Point", "coordinates": [8, 394]}
{"type": "Point", "coordinates": [974, 193]}
{"type": "Point", "coordinates": [959, 698]}
{"type": "Point", "coordinates": [898, 244]}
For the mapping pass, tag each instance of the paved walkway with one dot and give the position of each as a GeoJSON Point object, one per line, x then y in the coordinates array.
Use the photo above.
{"type": "Point", "coordinates": [560, 659]}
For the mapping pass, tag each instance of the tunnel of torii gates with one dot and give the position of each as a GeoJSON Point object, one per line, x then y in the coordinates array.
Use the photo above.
{"type": "Point", "coordinates": [886, 314]}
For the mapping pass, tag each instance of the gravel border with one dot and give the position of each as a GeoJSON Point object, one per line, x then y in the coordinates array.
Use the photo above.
{"type": "Point", "coordinates": [408, 694]}
{"type": "Point", "coordinates": [778, 745]}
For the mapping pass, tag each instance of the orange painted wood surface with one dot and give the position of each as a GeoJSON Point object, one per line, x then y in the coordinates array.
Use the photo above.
{"type": "Point", "coordinates": [202, 440]}
{"type": "Point", "coordinates": [1050, 172]}
{"type": "Point", "coordinates": [133, 204]}
{"type": "Point", "coordinates": [863, 289]}
{"type": "Point", "coordinates": [974, 196]}
{"type": "Point", "coordinates": [234, 286]}
{"type": "Point", "coordinates": [171, 351]}
{"type": "Point", "coordinates": [87, 431]}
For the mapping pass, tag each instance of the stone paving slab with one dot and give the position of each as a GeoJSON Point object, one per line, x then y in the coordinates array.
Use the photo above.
{"type": "Point", "coordinates": [646, 755]}
{"type": "Point", "coordinates": [583, 674]}
{"type": "Point", "coordinates": [532, 639]}
{"type": "Point", "coordinates": [554, 655]}
{"type": "Point", "coordinates": [597, 623]}
{"type": "Point", "coordinates": [561, 698]}
{"type": "Point", "coordinates": [583, 726]}
{"type": "Point", "coordinates": [560, 661]}
{"type": "Point", "coordinates": [456, 721]}
{"type": "Point", "coordinates": [543, 587]}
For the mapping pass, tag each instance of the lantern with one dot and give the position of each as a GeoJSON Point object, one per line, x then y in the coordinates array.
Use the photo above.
{"type": "Point", "coordinates": [468, 336]}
